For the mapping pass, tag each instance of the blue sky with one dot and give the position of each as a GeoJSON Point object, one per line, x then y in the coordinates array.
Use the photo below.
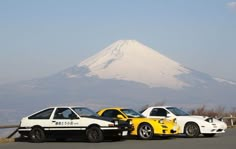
{"type": "Point", "coordinates": [40, 38]}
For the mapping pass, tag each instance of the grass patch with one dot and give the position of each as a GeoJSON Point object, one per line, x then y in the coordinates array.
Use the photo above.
{"type": "Point", "coordinates": [5, 140]}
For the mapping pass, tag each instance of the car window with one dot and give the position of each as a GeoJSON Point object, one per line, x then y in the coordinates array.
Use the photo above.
{"type": "Point", "coordinates": [85, 112]}
{"type": "Point", "coordinates": [45, 114]}
{"type": "Point", "coordinates": [64, 113]}
{"type": "Point", "coordinates": [158, 112]}
{"type": "Point", "coordinates": [177, 112]}
{"type": "Point", "coordinates": [111, 113]}
{"type": "Point", "coordinates": [131, 113]}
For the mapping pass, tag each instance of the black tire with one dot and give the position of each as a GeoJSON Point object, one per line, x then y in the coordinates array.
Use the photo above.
{"type": "Point", "coordinates": [94, 134]}
{"type": "Point", "coordinates": [209, 135]}
{"type": "Point", "coordinates": [37, 135]}
{"type": "Point", "coordinates": [145, 131]}
{"type": "Point", "coordinates": [192, 130]}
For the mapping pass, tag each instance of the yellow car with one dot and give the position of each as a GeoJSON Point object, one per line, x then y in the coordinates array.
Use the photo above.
{"type": "Point", "coordinates": [144, 128]}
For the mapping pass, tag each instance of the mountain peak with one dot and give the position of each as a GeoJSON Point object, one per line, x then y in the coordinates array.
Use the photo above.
{"type": "Point", "coordinates": [132, 61]}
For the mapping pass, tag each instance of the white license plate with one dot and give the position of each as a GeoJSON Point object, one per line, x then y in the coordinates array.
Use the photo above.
{"type": "Point", "coordinates": [124, 133]}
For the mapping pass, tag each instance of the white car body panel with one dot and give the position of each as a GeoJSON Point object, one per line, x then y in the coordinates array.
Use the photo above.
{"type": "Point", "coordinates": [205, 127]}
{"type": "Point", "coordinates": [52, 124]}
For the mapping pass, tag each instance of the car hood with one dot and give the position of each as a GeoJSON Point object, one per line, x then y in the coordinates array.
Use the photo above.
{"type": "Point", "coordinates": [197, 118]}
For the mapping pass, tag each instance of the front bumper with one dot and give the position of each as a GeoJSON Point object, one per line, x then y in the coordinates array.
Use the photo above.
{"type": "Point", "coordinates": [214, 128]}
{"type": "Point", "coordinates": [115, 133]}
{"type": "Point", "coordinates": [170, 131]}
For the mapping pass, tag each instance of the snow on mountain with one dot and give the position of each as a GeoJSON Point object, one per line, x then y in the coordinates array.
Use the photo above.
{"type": "Point", "coordinates": [132, 61]}
{"type": "Point", "coordinates": [225, 81]}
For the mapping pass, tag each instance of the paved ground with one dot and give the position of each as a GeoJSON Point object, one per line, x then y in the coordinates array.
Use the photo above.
{"type": "Point", "coordinates": [222, 141]}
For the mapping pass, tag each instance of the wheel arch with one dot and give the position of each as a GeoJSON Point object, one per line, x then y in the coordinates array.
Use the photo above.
{"type": "Point", "coordinates": [142, 124]}
{"type": "Point", "coordinates": [37, 126]}
{"type": "Point", "coordinates": [189, 122]}
{"type": "Point", "coordinates": [93, 125]}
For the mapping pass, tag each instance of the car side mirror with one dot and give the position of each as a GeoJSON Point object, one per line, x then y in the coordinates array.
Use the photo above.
{"type": "Point", "coordinates": [119, 116]}
{"type": "Point", "coordinates": [168, 115]}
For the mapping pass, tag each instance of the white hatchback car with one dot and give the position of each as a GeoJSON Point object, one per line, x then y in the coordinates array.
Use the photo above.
{"type": "Point", "coordinates": [65, 122]}
{"type": "Point", "coordinates": [190, 125]}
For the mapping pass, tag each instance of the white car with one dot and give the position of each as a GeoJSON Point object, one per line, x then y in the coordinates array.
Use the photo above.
{"type": "Point", "coordinates": [65, 122]}
{"type": "Point", "coordinates": [190, 125]}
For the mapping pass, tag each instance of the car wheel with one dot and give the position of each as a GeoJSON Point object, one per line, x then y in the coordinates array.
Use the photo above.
{"type": "Point", "coordinates": [37, 135]}
{"type": "Point", "coordinates": [209, 135]}
{"type": "Point", "coordinates": [94, 134]}
{"type": "Point", "coordinates": [145, 131]}
{"type": "Point", "coordinates": [192, 130]}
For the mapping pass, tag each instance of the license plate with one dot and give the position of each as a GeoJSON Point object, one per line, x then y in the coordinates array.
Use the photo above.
{"type": "Point", "coordinates": [124, 133]}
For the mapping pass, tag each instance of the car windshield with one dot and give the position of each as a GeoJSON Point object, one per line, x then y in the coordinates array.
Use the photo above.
{"type": "Point", "coordinates": [177, 111]}
{"type": "Point", "coordinates": [85, 112]}
{"type": "Point", "coordinates": [131, 113]}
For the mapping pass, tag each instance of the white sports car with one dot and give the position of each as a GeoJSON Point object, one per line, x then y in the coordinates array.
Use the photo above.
{"type": "Point", "coordinates": [66, 122]}
{"type": "Point", "coordinates": [190, 125]}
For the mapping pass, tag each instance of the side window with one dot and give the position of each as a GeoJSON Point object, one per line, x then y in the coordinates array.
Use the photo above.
{"type": "Point", "coordinates": [45, 114]}
{"type": "Point", "coordinates": [64, 113]}
{"type": "Point", "coordinates": [158, 112]}
{"type": "Point", "coordinates": [111, 113]}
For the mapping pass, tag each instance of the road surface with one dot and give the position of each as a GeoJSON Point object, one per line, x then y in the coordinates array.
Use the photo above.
{"type": "Point", "coordinates": [220, 141]}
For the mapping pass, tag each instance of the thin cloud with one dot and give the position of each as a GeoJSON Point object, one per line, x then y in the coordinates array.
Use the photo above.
{"type": "Point", "coordinates": [232, 5]}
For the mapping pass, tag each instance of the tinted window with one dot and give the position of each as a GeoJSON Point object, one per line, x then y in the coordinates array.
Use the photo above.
{"type": "Point", "coordinates": [131, 113]}
{"type": "Point", "coordinates": [64, 113]}
{"type": "Point", "coordinates": [158, 112]}
{"type": "Point", "coordinates": [85, 112]}
{"type": "Point", "coordinates": [42, 115]}
{"type": "Point", "coordinates": [111, 113]}
{"type": "Point", "coordinates": [177, 111]}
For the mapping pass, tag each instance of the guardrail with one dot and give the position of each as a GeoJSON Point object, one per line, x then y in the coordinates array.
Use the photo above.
{"type": "Point", "coordinates": [230, 119]}
{"type": "Point", "coordinates": [10, 126]}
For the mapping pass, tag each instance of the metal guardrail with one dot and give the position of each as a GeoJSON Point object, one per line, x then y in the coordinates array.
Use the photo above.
{"type": "Point", "coordinates": [231, 120]}
{"type": "Point", "coordinates": [10, 126]}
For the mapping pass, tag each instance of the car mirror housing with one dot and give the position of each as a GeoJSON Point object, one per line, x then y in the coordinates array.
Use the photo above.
{"type": "Point", "coordinates": [119, 116]}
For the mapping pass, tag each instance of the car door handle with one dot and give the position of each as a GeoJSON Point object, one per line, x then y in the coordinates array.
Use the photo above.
{"type": "Point", "coordinates": [54, 121]}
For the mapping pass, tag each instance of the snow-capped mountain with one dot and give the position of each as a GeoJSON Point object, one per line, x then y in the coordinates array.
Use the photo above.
{"type": "Point", "coordinates": [130, 60]}
{"type": "Point", "coordinates": [133, 61]}
{"type": "Point", "coordinates": [126, 73]}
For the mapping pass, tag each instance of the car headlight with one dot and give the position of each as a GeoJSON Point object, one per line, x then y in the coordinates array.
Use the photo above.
{"type": "Point", "coordinates": [210, 120]}
{"type": "Point", "coordinates": [161, 121]}
{"type": "Point", "coordinates": [116, 123]}
{"type": "Point", "coordinates": [130, 122]}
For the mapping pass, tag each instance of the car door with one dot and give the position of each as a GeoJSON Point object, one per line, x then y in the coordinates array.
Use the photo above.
{"type": "Point", "coordinates": [64, 119]}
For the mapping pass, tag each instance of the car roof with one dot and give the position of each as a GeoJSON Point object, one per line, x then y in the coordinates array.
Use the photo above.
{"type": "Point", "coordinates": [66, 107]}
{"type": "Point", "coordinates": [160, 107]}
{"type": "Point", "coordinates": [117, 108]}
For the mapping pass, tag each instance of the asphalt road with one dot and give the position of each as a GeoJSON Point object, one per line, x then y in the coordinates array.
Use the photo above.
{"type": "Point", "coordinates": [220, 141]}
